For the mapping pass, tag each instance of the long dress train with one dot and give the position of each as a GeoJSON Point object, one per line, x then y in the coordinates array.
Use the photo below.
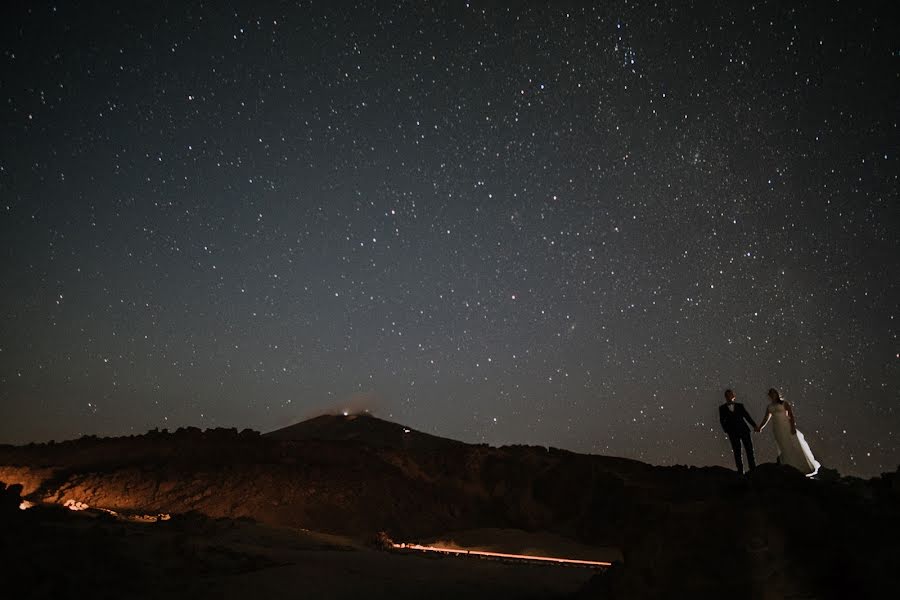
{"type": "Point", "coordinates": [792, 449]}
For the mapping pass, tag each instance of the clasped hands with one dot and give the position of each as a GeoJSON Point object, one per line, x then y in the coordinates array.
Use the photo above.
{"type": "Point", "coordinates": [758, 429]}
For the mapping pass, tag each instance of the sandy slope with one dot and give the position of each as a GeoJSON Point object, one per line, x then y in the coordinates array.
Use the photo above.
{"type": "Point", "coordinates": [370, 574]}
{"type": "Point", "coordinates": [92, 554]}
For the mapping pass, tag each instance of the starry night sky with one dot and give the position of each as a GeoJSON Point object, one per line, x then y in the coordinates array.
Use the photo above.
{"type": "Point", "coordinates": [560, 225]}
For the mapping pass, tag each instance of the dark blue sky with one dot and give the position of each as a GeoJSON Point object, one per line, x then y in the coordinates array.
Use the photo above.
{"type": "Point", "coordinates": [564, 226]}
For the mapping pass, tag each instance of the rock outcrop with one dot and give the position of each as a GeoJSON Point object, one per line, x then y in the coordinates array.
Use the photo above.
{"type": "Point", "coordinates": [682, 530]}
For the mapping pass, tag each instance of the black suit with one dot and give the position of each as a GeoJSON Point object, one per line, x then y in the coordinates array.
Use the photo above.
{"type": "Point", "coordinates": [734, 422]}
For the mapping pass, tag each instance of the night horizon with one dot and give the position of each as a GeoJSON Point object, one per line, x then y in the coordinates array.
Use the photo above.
{"type": "Point", "coordinates": [570, 227]}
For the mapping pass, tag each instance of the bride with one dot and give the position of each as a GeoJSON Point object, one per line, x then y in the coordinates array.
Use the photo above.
{"type": "Point", "coordinates": [792, 447]}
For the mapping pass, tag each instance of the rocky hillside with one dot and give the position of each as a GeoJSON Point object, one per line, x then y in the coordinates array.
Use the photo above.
{"type": "Point", "coordinates": [699, 531]}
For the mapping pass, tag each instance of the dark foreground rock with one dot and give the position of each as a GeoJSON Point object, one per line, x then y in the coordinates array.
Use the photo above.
{"type": "Point", "coordinates": [683, 531]}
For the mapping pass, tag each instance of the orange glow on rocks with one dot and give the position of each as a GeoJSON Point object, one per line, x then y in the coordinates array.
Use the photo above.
{"type": "Point", "coordinates": [75, 505]}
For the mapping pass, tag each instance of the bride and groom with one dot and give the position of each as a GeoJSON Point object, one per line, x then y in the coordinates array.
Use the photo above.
{"type": "Point", "coordinates": [792, 447]}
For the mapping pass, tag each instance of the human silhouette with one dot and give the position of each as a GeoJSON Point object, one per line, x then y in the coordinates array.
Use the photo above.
{"type": "Point", "coordinates": [792, 447]}
{"type": "Point", "coordinates": [734, 419]}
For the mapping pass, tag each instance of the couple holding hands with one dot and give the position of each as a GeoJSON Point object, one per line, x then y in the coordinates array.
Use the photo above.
{"type": "Point", "coordinates": [792, 447]}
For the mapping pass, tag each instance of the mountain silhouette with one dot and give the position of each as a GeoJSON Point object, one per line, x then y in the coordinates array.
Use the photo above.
{"type": "Point", "coordinates": [363, 428]}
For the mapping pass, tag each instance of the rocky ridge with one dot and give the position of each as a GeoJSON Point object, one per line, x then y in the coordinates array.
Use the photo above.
{"type": "Point", "coordinates": [682, 530]}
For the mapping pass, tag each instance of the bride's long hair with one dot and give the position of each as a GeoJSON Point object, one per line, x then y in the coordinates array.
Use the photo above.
{"type": "Point", "coordinates": [775, 396]}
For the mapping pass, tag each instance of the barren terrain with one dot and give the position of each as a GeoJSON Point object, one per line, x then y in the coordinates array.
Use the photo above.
{"type": "Point", "coordinates": [309, 508]}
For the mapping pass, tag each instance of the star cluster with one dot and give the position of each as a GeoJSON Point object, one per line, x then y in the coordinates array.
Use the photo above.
{"type": "Point", "coordinates": [559, 225]}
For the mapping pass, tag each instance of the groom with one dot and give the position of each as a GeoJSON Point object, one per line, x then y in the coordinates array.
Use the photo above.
{"type": "Point", "coordinates": [734, 418]}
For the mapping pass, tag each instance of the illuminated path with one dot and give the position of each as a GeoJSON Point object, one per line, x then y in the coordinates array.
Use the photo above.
{"type": "Point", "coordinates": [545, 559]}
{"type": "Point", "coordinates": [79, 506]}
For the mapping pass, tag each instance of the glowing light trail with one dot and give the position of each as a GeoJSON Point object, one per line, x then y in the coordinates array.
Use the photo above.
{"type": "Point", "coordinates": [547, 559]}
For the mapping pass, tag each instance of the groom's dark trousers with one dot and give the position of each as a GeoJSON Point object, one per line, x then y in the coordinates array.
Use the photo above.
{"type": "Point", "coordinates": [734, 422]}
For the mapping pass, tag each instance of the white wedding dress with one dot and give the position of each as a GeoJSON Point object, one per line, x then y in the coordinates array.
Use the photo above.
{"type": "Point", "coordinates": [792, 449]}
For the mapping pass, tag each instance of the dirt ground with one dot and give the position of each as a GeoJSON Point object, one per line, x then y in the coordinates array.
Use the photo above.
{"type": "Point", "coordinates": [314, 565]}
{"type": "Point", "coordinates": [369, 574]}
{"type": "Point", "coordinates": [196, 557]}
